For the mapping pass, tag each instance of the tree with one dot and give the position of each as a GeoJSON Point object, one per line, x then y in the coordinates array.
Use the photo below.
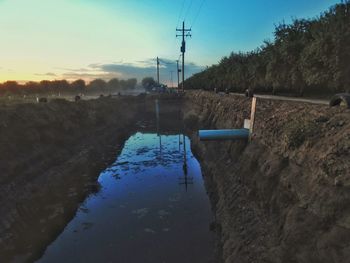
{"type": "Point", "coordinates": [97, 85]}
{"type": "Point", "coordinates": [78, 85]}
{"type": "Point", "coordinates": [148, 83]}
{"type": "Point", "coordinates": [11, 87]}
{"type": "Point", "coordinates": [113, 85]}
{"type": "Point", "coordinates": [306, 56]}
{"type": "Point", "coordinates": [131, 83]}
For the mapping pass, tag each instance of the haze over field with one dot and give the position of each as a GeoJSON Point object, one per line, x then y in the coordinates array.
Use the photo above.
{"type": "Point", "coordinates": [92, 39]}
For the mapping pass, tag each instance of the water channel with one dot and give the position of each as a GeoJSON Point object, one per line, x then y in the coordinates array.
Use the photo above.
{"type": "Point", "coordinates": [152, 207]}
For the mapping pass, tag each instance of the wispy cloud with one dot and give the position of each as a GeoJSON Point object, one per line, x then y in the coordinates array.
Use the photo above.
{"type": "Point", "coordinates": [49, 74]}
{"type": "Point", "coordinates": [121, 70]}
{"type": "Point", "coordinates": [6, 69]}
{"type": "Point", "coordinates": [89, 76]}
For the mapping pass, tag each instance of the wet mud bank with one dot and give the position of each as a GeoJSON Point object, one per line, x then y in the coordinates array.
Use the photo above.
{"type": "Point", "coordinates": [284, 197]}
{"type": "Point", "coordinates": [51, 155]}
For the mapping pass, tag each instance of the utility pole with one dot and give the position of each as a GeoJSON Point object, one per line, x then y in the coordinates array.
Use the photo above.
{"type": "Point", "coordinates": [185, 33]}
{"type": "Point", "coordinates": [171, 78]}
{"type": "Point", "coordinates": [178, 76]}
{"type": "Point", "coordinates": [158, 71]}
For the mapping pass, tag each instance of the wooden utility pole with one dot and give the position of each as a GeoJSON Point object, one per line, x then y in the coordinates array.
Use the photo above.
{"type": "Point", "coordinates": [171, 78]}
{"type": "Point", "coordinates": [184, 33]}
{"type": "Point", "coordinates": [158, 70]}
{"type": "Point", "coordinates": [178, 76]}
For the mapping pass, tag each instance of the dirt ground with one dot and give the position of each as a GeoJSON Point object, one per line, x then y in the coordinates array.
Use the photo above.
{"type": "Point", "coordinates": [284, 197]}
{"type": "Point", "coordinates": [51, 155]}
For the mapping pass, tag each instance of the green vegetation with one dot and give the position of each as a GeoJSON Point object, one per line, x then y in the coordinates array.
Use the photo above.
{"type": "Point", "coordinates": [306, 57]}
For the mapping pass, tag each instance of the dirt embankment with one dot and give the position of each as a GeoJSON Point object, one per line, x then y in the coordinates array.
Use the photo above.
{"type": "Point", "coordinates": [284, 197]}
{"type": "Point", "coordinates": [51, 154]}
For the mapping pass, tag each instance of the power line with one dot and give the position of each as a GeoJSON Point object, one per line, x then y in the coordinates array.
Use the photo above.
{"type": "Point", "coordinates": [188, 9]}
{"type": "Point", "coordinates": [182, 7]}
{"type": "Point", "coordinates": [166, 62]}
{"type": "Point", "coordinates": [199, 10]}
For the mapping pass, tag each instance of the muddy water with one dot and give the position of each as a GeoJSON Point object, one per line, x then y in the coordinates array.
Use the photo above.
{"type": "Point", "coordinates": [151, 208]}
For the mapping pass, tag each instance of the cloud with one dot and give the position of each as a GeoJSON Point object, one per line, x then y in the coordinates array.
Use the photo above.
{"type": "Point", "coordinates": [90, 76]}
{"type": "Point", "coordinates": [138, 70]}
{"type": "Point", "coordinates": [6, 69]}
{"type": "Point", "coordinates": [49, 74]}
{"type": "Point", "coordinates": [145, 68]}
{"type": "Point", "coordinates": [76, 69]}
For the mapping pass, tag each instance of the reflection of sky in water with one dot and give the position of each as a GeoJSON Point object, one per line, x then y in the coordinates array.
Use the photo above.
{"type": "Point", "coordinates": [142, 213]}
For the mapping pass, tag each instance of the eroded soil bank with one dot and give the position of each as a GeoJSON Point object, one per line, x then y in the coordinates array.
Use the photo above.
{"type": "Point", "coordinates": [284, 197]}
{"type": "Point", "coordinates": [51, 155]}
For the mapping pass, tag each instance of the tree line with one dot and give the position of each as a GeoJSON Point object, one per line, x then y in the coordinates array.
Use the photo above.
{"type": "Point", "coordinates": [63, 86]}
{"type": "Point", "coordinates": [308, 56]}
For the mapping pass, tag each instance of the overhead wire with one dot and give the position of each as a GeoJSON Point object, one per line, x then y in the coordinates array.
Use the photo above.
{"type": "Point", "coordinates": [188, 9]}
{"type": "Point", "coordinates": [198, 12]}
{"type": "Point", "coordinates": [182, 7]}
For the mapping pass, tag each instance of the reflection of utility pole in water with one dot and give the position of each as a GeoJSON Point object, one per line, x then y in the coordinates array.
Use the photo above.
{"type": "Point", "coordinates": [160, 145]}
{"type": "Point", "coordinates": [157, 115]}
{"type": "Point", "coordinates": [184, 142]}
{"type": "Point", "coordinates": [186, 180]}
{"type": "Point", "coordinates": [158, 131]}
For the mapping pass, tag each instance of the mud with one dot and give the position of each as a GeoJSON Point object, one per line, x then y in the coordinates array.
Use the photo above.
{"type": "Point", "coordinates": [51, 155]}
{"type": "Point", "coordinates": [285, 196]}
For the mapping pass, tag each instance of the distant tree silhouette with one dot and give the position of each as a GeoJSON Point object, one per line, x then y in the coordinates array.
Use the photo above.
{"type": "Point", "coordinates": [63, 86]}
{"type": "Point", "coordinates": [97, 85]}
{"type": "Point", "coordinates": [113, 85]}
{"type": "Point", "coordinates": [78, 85]}
{"type": "Point", "coordinates": [148, 82]}
{"type": "Point", "coordinates": [131, 83]}
{"type": "Point", "coordinates": [32, 87]}
{"type": "Point", "coordinates": [11, 86]}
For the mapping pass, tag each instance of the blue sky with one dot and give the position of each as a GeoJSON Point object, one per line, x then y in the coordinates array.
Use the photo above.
{"type": "Point", "coordinates": [88, 39]}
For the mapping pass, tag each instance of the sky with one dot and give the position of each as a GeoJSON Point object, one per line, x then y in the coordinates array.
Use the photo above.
{"type": "Point", "coordinates": [88, 39]}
